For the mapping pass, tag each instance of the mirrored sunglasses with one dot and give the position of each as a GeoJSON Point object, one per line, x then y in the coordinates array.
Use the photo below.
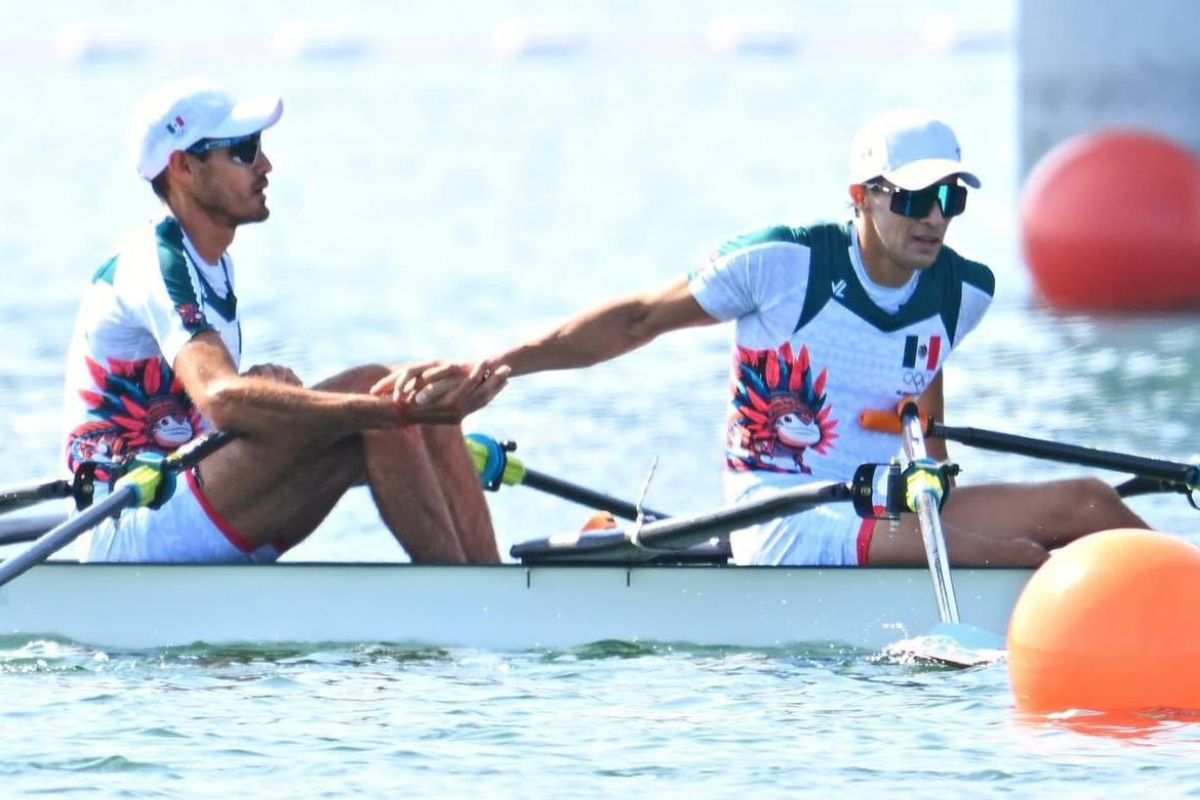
{"type": "Point", "coordinates": [951, 199]}
{"type": "Point", "coordinates": [242, 149]}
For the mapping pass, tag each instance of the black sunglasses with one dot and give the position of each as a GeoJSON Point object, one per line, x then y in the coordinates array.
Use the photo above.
{"type": "Point", "coordinates": [951, 199]}
{"type": "Point", "coordinates": [242, 149]}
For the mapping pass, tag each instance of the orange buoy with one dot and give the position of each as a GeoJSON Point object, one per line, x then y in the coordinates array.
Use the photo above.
{"type": "Point", "coordinates": [1111, 222]}
{"type": "Point", "coordinates": [1111, 622]}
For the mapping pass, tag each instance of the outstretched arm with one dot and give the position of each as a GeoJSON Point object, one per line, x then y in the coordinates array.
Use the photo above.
{"type": "Point", "coordinates": [606, 331]}
{"type": "Point", "coordinates": [597, 335]}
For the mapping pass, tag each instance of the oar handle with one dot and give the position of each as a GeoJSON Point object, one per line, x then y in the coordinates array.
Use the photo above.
{"type": "Point", "coordinates": [890, 422]}
{"type": "Point", "coordinates": [494, 461]}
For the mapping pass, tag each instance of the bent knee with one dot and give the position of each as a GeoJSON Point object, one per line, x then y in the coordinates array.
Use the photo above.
{"type": "Point", "coordinates": [1095, 492]}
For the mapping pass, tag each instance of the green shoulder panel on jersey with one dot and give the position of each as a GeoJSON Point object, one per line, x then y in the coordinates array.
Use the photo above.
{"type": "Point", "coordinates": [829, 271]}
{"type": "Point", "coordinates": [107, 272]}
{"type": "Point", "coordinates": [978, 275]}
{"type": "Point", "coordinates": [820, 238]}
{"type": "Point", "coordinates": [784, 234]}
{"type": "Point", "coordinates": [832, 276]}
{"type": "Point", "coordinates": [941, 289]}
{"type": "Point", "coordinates": [173, 262]}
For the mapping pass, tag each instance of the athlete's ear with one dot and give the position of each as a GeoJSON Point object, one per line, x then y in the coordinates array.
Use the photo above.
{"type": "Point", "coordinates": [179, 164]}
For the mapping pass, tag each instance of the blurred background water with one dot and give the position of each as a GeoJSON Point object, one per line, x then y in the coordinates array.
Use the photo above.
{"type": "Point", "coordinates": [451, 179]}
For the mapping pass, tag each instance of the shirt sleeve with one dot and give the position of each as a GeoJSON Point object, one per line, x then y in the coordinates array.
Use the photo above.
{"type": "Point", "coordinates": [761, 278]}
{"type": "Point", "coordinates": [975, 303]}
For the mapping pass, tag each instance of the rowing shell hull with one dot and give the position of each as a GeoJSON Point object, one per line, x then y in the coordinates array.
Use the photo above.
{"type": "Point", "coordinates": [505, 607]}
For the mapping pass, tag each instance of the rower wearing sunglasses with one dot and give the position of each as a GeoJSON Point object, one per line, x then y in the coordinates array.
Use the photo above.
{"type": "Point", "coordinates": [154, 364]}
{"type": "Point", "coordinates": [832, 320]}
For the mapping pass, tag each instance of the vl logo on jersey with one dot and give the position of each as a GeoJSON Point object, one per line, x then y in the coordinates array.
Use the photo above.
{"type": "Point", "coordinates": [839, 288]}
{"type": "Point", "coordinates": [922, 352]}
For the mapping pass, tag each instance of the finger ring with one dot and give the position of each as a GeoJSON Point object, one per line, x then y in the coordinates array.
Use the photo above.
{"type": "Point", "coordinates": [487, 373]}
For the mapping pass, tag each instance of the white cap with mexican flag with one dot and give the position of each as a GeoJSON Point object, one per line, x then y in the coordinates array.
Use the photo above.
{"type": "Point", "coordinates": [176, 116]}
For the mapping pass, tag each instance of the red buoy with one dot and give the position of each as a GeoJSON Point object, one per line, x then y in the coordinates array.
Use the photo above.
{"type": "Point", "coordinates": [1110, 623]}
{"type": "Point", "coordinates": [1111, 222]}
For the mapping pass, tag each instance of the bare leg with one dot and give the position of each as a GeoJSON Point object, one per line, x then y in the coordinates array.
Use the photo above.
{"type": "Point", "coordinates": [1009, 524]}
{"type": "Point", "coordinates": [408, 494]}
{"type": "Point", "coordinates": [278, 490]}
{"type": "Point", "coordinates": [268, 500]}
{"type": "Point", "coordinates": [460, 486]}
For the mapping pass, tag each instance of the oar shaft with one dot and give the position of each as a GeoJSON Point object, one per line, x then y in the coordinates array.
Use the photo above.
{"type": "Point", "coordinates": [64, 534]}
{"type": "Point", "coordinates": [686, 531]}
{"type": "Point", "coordinates": [22, 528]}
{"type": "Point", "coordinates": [1071, 453]}
{"type": "Point", "coordinates": [585, 496]}
{"type": "Point", "coordinates": [676, 534]}
{"type": "Point", "coordinates": [930, 522]}
{"type": "Point", "coordinates": [16, 497]}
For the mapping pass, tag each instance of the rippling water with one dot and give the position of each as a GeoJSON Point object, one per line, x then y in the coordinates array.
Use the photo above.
{"type": "Point", "coordinates": [431, 198]}
{"type": "Point", "coordinates": [611, 718]}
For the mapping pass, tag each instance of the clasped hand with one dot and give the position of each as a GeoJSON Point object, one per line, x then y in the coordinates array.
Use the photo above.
{"type": "Point", "coordinates": [434, 392]}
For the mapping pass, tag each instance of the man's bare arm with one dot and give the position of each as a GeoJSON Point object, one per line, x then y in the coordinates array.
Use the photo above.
{"type": "Point", "coordinates": [607, 331]}
{"type": "Point", "coordinates": [251, 404]}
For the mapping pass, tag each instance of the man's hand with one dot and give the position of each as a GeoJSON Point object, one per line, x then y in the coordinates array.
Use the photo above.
{"type": "Point", "coordinates": [436, 392]}
{"type": "Point", "coordinates": [274, 372]}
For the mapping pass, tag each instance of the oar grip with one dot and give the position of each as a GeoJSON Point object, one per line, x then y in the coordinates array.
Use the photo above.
{"type": "Point", "coordinates": [880, 421]}
{"type": "Point", "coordinates": [893, 421]}
{"type": "Point", "coordinates": [152, 479]}
{"type": "Point", "coordinates": [925, 476]}
{"type": "Point", "coordinates": [493, 462]}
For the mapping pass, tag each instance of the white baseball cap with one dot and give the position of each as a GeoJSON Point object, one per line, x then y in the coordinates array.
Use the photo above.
{"type": "Point", "coordinates": [176, 116]}
{"type": "Point", "coordinates": [909, 148]}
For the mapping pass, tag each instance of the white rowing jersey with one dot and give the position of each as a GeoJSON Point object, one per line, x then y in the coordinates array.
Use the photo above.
{"type": "Point", "coordinates": [817, 343]}
{"type": "Point", "coordinates": [142, 306]}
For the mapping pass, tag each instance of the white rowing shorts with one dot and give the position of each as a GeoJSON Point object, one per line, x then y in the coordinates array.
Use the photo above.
{"type": "Point", "coordinates": [830, 535]}
{"type": "Point", "coordinates": [185, 529]}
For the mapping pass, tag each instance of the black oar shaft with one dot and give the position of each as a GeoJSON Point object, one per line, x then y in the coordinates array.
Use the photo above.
{"type": "Point", "coordinates": [686, 531]}
{"type": "Point", "coordinates": [16, 497]}
{"type": "Point", "coordinates": [585, 496]}
{"type": "Point", "coordinates": [678, 533]}
{"type": "Point", "coordinates": [1072, 453]}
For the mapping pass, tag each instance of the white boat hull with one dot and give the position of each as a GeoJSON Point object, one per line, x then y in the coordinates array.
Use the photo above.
{"type": "Point", "coordinates": [505, 607]}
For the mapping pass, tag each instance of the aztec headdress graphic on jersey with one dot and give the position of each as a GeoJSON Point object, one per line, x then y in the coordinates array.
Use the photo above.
{"type": "Point", "coordinates": [779, 410]}
{"type": "Point", "coordinates": [137, 405]}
